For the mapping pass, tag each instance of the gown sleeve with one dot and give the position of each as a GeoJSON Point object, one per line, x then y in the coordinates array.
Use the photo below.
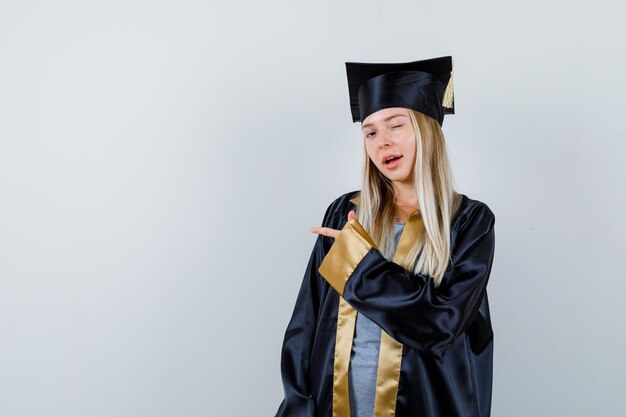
{"type": "Point", "coordinates": [298, 341]}
{"type": "Point", "coordinates": [405, 304]}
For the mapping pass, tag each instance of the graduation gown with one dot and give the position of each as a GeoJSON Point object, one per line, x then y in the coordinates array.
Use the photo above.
{"type": "Point", "coordinates": [436, 349]}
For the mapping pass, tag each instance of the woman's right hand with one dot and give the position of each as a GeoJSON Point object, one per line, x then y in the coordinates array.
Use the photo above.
{"type": "Point", "coordinates": [327, 231]}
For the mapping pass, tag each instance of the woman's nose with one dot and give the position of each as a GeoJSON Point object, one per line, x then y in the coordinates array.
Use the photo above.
{"type": "Point", "coordinates": [383, 140]}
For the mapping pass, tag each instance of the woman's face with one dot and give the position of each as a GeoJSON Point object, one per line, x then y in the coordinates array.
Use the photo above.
{"type": "Point", "coordinates": [389, 132]}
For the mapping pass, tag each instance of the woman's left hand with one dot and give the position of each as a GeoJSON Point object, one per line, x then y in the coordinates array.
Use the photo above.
{"type": "Point", "coordinates": [327, 231]}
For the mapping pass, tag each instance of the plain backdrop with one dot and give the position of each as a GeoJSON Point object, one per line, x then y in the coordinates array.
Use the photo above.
{"type": "Point", "coordinates": [162, 162]}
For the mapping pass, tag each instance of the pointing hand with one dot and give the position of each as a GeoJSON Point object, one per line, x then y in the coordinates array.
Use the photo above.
{"type": "Point", "coordinates": [327, 231]}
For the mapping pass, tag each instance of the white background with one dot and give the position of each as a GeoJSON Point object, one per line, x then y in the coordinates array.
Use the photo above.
{"type": "Point", "coordinates": [161, 164]}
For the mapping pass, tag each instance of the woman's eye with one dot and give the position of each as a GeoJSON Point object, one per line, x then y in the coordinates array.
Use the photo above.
{"type": "Point", "coordinates": [369, 134]}
{"type": "Point", "coordinates": [397, 126]}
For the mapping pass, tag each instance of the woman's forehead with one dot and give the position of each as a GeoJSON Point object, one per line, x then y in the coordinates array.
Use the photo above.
{"type": "Point", "coordinates": [384, 115]}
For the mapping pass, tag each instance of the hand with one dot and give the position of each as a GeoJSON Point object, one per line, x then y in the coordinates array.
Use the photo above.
{"type": "Point", "coordinates": [327, 231]}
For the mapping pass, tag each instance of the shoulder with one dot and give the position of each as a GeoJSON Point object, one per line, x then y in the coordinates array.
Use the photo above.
{"type": "Point", "coordinates": [338, 209]}
{"type": "Point", "coordinates": [473, 211]}
{"type": "Point", "coordinates": [474, 222]}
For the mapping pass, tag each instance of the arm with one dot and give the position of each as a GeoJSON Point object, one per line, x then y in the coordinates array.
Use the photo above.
{"type": "Point", "coordinates": [407, 305]}
{"type": "Point", "coordinates": [298, 340]}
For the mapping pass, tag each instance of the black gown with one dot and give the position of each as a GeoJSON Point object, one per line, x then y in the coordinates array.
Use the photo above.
{"type": "Point", "coordinates": [444, 364]}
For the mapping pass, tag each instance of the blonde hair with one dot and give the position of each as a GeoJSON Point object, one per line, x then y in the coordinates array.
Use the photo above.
{"type": "Point", "coordinates": [437, 199]}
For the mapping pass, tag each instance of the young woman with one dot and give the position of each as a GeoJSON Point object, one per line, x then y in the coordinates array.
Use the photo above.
{"type": "Point", "coordinates": [392, 317]}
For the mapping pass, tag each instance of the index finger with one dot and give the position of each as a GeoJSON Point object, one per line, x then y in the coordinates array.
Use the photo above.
{"type": "Point", "coordinates": [326, 231]}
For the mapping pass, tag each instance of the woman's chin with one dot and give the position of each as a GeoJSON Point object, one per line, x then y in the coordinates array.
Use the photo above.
{"type": "Point", "coordinates": [397, 176]}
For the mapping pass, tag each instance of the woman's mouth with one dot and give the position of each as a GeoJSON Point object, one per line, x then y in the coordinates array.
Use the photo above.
{"type": "Point", "coordinates": [393, 162]}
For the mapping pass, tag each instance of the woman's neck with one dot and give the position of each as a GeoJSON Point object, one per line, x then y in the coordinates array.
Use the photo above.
{"type": "Point", "coordinates": [406, 201]}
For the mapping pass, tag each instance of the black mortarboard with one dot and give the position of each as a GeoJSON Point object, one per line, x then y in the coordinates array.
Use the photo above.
{"type": "Point", "coordinates": [425, 86]}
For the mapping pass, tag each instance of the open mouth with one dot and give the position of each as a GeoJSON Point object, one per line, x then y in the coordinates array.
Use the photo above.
{"type": "Point", "coordinates": [392, 161]}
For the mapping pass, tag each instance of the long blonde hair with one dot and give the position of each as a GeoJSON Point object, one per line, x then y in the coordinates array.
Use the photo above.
{"type": "Point", "coordinates": [437, 199]}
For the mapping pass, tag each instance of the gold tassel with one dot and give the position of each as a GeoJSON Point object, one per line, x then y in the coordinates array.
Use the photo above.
{"type": "Point", "coordinates": [448, 95]}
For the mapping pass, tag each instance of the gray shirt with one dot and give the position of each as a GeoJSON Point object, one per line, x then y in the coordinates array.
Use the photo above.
{"type": "Point", "coordinates": [364, 358]}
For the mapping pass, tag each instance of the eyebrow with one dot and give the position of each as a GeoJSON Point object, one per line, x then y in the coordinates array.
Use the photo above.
{"type": "Point", "coordinates": [384, 120]}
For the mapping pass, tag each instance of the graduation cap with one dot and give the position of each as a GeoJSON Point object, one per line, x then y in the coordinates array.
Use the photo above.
{"type": "Point", "coordinates": [425, 86]}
